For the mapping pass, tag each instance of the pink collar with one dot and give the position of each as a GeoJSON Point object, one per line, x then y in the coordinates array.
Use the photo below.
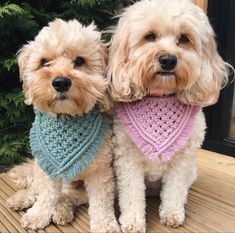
{"type": "Point", "coordinates": [158, 126]}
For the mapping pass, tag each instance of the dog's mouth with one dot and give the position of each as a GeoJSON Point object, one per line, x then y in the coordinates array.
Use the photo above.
{"type": "Point", "coordinates": [158, 92]}
{"type": "Point", "coordinates": [165, 74]}
{"type": "Point", "coordinates": [62, 97]}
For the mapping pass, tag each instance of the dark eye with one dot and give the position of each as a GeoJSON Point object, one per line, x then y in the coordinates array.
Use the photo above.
{"type": "Point", "coordinates": [150, 37]}
{"type": "Point", "coordinates": [45, 62]}
{"type": "Point", "coordinates": [79, 61]}
{"type": "Point", "coordinates": [183, 39]}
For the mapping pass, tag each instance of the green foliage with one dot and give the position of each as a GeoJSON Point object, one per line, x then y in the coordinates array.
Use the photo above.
{"type": "Point", "coordinates": [15, 121]}
{"type": "Point", "coordinates": [10, 9]}
{"type": "Point", "coordinates": [20, 21]}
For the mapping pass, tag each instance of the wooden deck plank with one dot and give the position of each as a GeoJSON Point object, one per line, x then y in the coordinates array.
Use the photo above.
{"type": "Point", "coordinates": [214, 161]}
{"type": "Point", "coordinates": [2, 228]}
{"type": "Point", "coordinates": [210, 207]}
{"type": "Point", "coordinates": [6, 190]}
{"type": "Point", "coordinates": [7, 223]}
{"type": "Point", "coordinates": [8, 215]}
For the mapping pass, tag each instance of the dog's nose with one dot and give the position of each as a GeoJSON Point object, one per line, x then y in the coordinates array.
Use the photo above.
{"type": "Point", "coordinates": [61, 84]}
{"type": "Point", "coordinates": [168, 61]}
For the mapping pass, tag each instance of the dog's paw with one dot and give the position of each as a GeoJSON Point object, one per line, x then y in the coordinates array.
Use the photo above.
{"type": "Point", "coordinates": [133, 225]}
{"type": "Point", "coordinates": [172, 218]}
{"type": "Point", "coordinates": [20, 200]}
{"type": "Point", "coordinates": [135, 228]}
{"type": "Point", "coordinates": [35, 221]}
{"type": "Point", "coordinates": [63, 213]}
{"type": "Point", "coordinates": [22, 175]}
{"type": "Point", "coordinates": [107, 225]}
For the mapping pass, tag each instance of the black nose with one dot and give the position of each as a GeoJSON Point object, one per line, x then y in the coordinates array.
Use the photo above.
{"type": "Point", "coordinates": [167, 61]}
{"type": "Point", "coordinates": [61, 84]}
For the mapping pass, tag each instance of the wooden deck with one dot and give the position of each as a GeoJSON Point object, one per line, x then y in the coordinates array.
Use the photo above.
{"type": "Point", "coordinates": [210, 208]}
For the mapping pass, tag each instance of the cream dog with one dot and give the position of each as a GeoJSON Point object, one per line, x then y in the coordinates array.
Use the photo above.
{"type": "Point", "coordinates": [63, 73]}
{"type": "Point", "coordinates": [165, 49]}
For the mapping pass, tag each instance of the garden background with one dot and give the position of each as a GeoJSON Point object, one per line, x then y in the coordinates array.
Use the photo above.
{"type": "Point", "coordinates": [20, 22]}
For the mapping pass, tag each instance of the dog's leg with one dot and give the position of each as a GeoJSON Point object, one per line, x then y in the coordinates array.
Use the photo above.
{"type": "Point", "coordinates": [63, 213]}
{"type": "Point", "coordinates": [39, 216]}
{"type": "Point", "coordinates": [22, 199]}
{"type": "Point", "coordinates": [76, 193]}
{"type": "Point", "coordinates": [176, 182]}
{"type": "Point", "coordinates": [131, 192]}
{"type": "Point", "coordinates": [72, 196]}
{"type": "Point", "coordinates": [100, 191]}
{"type": "Point", "coordinates": [22, 175]}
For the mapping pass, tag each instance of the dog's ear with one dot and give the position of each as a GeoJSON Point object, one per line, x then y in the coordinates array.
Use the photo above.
{"type": "Point", "coordinates": [201, 3]}
{"type": "Point", "coordinates": [23, 59]}
{"type": "Point", "coordinates": [103, 51]}
{"type": "Point", "coordinates": [119, 84]}
{"type": "Point", "coordinates": [106, 103]}
{"type": "Point", "coordinates": [213, 76]}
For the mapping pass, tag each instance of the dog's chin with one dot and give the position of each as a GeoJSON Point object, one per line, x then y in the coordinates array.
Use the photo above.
{"type": "Point", "coordinates": [61, 104]}
{"type": "Point", "coordinates": [163, 84]}
{"type": "Point", "coordinates": [64, 105]}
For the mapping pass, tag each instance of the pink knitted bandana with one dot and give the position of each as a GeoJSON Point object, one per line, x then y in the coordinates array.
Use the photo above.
{"type": "Point", "coordinates": [158, 126]}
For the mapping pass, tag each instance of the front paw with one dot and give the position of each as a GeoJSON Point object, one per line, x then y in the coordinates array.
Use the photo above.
{"type": "Point", "coordinates": [173, 218]}
{"type": "Point", "coordinates": [63, 212]}
{"type": "Point", "coordinates": [130, 224]}
{"type": "Point", "coordinates": [20, 200]}
{"type": "Point", "coordinates": [107, 225]}
{"type": "Point", "coordinates": [35, 221]}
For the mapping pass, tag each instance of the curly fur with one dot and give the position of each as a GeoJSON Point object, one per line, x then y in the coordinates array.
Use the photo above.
{"type": "Point", "coordinates": [196, 80]}
{"type": "Point", "coordinates": [200, 72]}
{"type": "Point", "coordinates": [60, 43]}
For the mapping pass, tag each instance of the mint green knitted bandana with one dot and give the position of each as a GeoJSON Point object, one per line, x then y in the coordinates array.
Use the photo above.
{"type": "Point", "coordinates": [65, 147]}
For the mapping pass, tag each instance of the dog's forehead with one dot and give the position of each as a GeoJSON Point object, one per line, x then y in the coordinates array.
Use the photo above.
{"type": "Point", "coordinates": [63, 32]}
{"type": "Point", "coordinates": [169, 11]}
{"type": "Point", "coordinates": [167, 17]}
{"type": "Point", "coordinates": [57, 39]}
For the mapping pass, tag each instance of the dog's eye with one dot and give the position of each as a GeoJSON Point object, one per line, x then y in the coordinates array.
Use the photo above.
{"type": "Point", "coordinates": [79, 61]}
{"type": "Point", "coordinates": [183, 39]}
{"type": "Point", "coordinates": [45, 62]}
{"type": "Point", "coordinates": [150, 37]}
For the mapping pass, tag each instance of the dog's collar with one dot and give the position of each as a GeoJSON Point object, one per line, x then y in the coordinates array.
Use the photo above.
{"type": "Point", "coordinates": [159, 127]}
{"type": "Point", "coordinates": [65, 146]}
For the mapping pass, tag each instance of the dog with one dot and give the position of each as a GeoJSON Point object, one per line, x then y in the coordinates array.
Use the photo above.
{"type": "Point", "coordinates": [63, 74]}
{"type": "Point", "coordinates": [161, 51]}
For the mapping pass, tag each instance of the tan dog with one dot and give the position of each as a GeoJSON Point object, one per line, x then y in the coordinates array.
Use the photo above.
{"type": "Point", "coordinates": [63, 72]}
{"type": "Point", "coordinates": [161, 48]}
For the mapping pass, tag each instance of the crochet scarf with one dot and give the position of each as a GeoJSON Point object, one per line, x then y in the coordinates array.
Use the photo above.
{"type": "Point", "coordinates": [65, 147]}
{"type": "Point", "coordinates": [158, 126]}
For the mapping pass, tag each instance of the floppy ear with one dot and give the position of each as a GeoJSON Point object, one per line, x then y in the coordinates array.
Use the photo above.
{"type": "Point", "coordinates": [119, 84]}
{"type": "Point", "coordinates": [201, 3]}
{"type": "Point", "coordinates": [106, 102]}
{"type": "Point", "coordinates": [23, 58]}
{"type": "Point", "coordinates": [213, 76]}
{"type": "Point", "coordinates": [103, 51]}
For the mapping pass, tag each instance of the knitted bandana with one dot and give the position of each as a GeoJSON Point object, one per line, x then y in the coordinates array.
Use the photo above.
{"type": "Point", "coordinates": [65, 147]}
{"type": "Point", "coordinates": [158, 126]}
